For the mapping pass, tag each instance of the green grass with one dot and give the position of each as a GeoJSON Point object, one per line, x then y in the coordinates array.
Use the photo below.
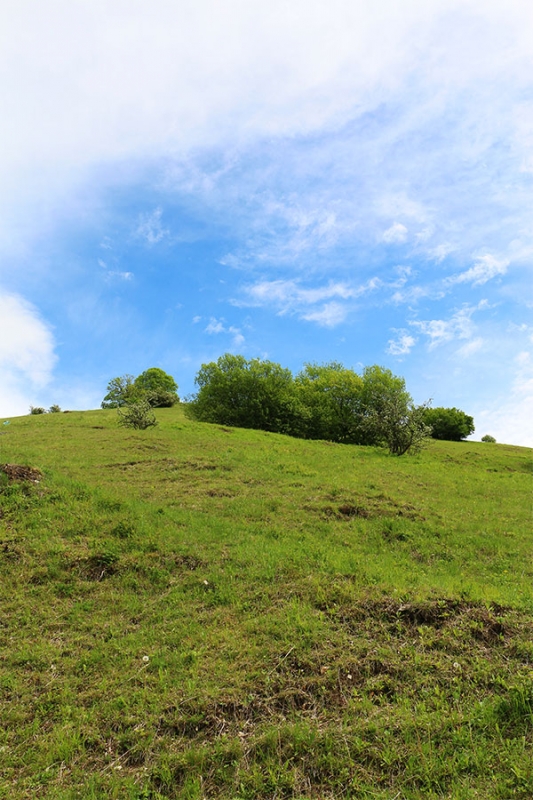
{"type": "Point", "coordinates": [200, 612]}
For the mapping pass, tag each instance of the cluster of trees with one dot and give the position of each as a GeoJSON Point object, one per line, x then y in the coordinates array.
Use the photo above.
{"type": "Point", "coordinates": [324, 401]}
{"type": "Point", "coordinates": [153, 387]}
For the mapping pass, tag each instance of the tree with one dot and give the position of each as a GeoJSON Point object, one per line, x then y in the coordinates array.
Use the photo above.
{"type": "Point", "coordinates": [384, 398]}
{"type": "Point", "coordinates": [154, 385]}
{"type": "Point", "coordinates": [159, 388]}
{"type": "Point", "coordinates": [331, 395]}
{"type": "Point", "coordinates": [488, 438]}
{"type": "Point", "coordinates": [120, 391]}
{"type": "Point", "coordinates": [398, 425]}
{"type": "Point", "coordinates": [450, 424]}
{"type": "Point", "coordinates": [247, 394]}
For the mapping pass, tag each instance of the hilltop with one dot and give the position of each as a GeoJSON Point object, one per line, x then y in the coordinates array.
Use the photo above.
{"type": "Point", "coordinates": [201, 611]}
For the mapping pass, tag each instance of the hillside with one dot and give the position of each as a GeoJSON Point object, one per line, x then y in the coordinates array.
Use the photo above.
{"type": "Point", "coordinates": [196, 611]}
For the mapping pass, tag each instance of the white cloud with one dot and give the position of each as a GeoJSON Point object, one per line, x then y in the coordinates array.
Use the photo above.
{"type": "Point", "coordinates": [289, 297]}
{"type": "Point", "coordinates": [116, 84]}
{"type": "Point", "coordinates": [485, 268]}
{"type": "Point", "coordinates": [459, 326]}
{"type": "Point", "coordinates": [217, 326]}
{"type": "Point", "coordinates": [123, 276]}
{"type": "Point", "coordinates": [396, 233]}
{"type": "Point", "coordinates": [26, 354]}
{"type": "Point", "coordinates": [509, 417]}
{"type": "Point", "coordinates": [329, 316]}
{"type": "Point", "coordinates": [468, 349]}
{"type": "Point", "coordinates": [150, 227]}
{"type": "Point", "coordinates": [402, 345]}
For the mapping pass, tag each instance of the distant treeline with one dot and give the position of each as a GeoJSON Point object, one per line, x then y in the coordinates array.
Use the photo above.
{"type": "Point", "coordinates": [324, 401]}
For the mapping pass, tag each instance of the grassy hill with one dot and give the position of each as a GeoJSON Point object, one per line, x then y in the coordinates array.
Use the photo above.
{"type": "Point", "coordinates": [195, 611]}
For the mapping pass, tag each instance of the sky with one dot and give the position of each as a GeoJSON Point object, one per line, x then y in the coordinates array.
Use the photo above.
{"type": "Point", "coordinates": [302, 182]}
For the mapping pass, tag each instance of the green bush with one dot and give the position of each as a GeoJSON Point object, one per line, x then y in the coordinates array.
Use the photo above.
{"type": "Point", "coordinates": [37, 410]}
{"type": "Point", "coordinates": [450, 424]}
{"type": "Point", "coordinates": [488, 438]}
{"type": "Point", "coordinates": [138, 415]}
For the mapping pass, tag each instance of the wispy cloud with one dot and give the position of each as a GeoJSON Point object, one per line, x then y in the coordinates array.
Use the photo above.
{"type": "Point", "coordinates": [402, 344]}
{"type": "Point", "coordinates": [485, 268]}
{"type": "Point", "coordinates": [150, 227]}
{"type": "Point", "coordinates": [330, 315]}
{"type": "Point", "coordinates": [458, 326]}
{"type": "Point", "coordinates": [396, 233]}
{"type": "Point", "coordinates": [290, 297]}
{"type": "Point", "coordinates": [218, 326]}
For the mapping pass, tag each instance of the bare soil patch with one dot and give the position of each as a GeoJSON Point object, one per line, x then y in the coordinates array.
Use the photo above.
{"type": "Point", "coordinates": [18, 472]}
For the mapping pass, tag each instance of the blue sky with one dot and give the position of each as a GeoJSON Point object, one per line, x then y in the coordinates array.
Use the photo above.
{"type": "Point", "coordinates": [300, 182]}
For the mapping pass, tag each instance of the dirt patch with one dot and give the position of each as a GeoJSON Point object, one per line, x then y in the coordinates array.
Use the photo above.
{"type": "Point", "coordinates": [365, 506]}
{"type": "Point", "coordinates": [96, 567]}
{"type": "Point", "coordinates": [18, 472]}
{"type": "Point", "coordinates": [484, 623]}
{"type": "Point", "coordinates": [190, 562]}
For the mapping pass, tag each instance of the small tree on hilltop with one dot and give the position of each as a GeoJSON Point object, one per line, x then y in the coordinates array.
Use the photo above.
{"type": "Point", "coordinates": [120, 391]}
{"type": "Point", "coordinates": [159, 388]}
{"type": "Point", "coordinates": [488, 438]}
{"type": "Point", "coordinates": [153, 385]}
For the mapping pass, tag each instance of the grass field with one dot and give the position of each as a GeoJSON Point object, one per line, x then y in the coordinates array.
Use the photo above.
{"type": "Point", "coordinates": [197, 612]}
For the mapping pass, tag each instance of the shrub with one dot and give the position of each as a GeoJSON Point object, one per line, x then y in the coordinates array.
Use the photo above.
{"type": "Point", "coordinates": [37, 410]}
{"type": "Point", "coordinates": [450, 424]}
{"type": "Point", "coordinates": [488, 438]}
{"type": "Point", "coordinates": [137, 415]}
{"type": "Point", "coordinates": [54, 409]}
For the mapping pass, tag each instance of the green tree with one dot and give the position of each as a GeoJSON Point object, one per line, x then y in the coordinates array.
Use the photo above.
{"type": "Point", "coordinates": [450, 424]}
{"type": "Point", "coordinates": [159, 388]}
{"type": "Point", "coordinates": [399, 426]}
{"type": "Point", "coordinates": [331, 396]}
{"type": "Point", "coordinates": [154, 385]}
{"type": "Point", "coordinates": [120, 391]}
{"type": "Point", "coordinates": [247, 394]}
{"type": "Point", "coordinates": [383, 397]}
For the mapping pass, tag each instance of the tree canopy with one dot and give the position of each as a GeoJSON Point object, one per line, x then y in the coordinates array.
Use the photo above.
{"type": "Point", "coordinates": [153, 386]}
{"type": "Point", "coordinates": [451, 424]}
{"type": "Point", "coordinates": [324, 401]}
{"type": "Point", "coordinates": [247, 394]}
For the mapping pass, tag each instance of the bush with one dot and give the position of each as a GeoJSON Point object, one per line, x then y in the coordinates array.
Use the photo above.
{"type": "Point", "coordinates": [37, 410]}
{"type": "Point", "coordinates": [399, 425]}
{"type": "Point", "coordinates": [137, 415]}
{"type": "Point", "coordinates": [54, 409]}
{"type": "Point", "coordinates": [450, 424]}
{"type": "Point", "coordinates": [488, 438]}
